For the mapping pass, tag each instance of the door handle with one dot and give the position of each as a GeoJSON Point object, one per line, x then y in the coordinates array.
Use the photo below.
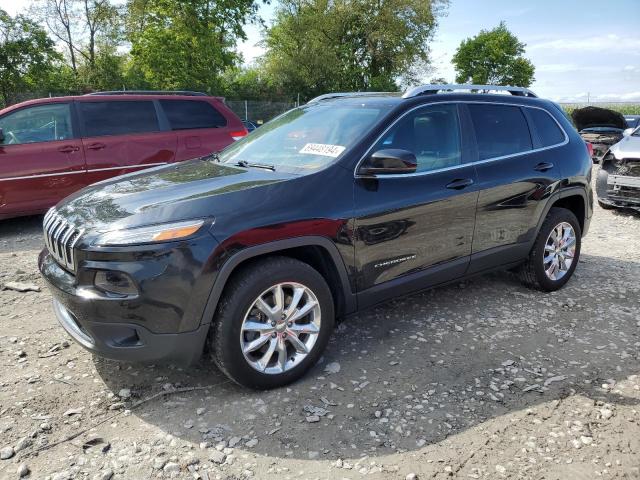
{"type": "Point", "coordinates": [459, 183]}
{"type": "Point", "coordinates": [543, 167]}
{"type": "Point", "coordinates": [96, 146]}
{"type": "Point", "coordinates": [68, 149]}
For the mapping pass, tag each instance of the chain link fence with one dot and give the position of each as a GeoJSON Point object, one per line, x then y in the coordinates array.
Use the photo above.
{"type": "Point", "coordinates": [259, 111]}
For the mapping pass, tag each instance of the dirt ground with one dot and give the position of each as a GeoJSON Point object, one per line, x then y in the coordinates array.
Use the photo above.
{"type": "Point", "coordinates": [481, 379]}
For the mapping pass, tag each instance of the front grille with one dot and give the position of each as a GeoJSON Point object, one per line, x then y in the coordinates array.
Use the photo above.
{"type": "Point", "coordinates": [61, 238]}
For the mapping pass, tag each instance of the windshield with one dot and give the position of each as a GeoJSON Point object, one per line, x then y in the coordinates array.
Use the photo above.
{"type": "Point", "coordinates": [306, 138]}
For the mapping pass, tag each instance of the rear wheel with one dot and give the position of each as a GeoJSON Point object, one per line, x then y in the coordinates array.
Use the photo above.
{"type": "Point", "coordinates": [555, 252]}
{"type": "Point", "coordinates": [273, 323]}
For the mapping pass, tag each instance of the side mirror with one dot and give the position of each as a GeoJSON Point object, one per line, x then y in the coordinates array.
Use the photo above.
{"type": "Point", "coordinates": [1, 136]}
{"type": "Point", "coordinates": [626, 133]}
{"type": "Point", "coordinates": [389, 161]}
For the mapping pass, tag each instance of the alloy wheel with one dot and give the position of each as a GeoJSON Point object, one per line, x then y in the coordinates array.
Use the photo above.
{"type": "Point", "coordinates": [559, 251]}
{"type": "Point", "coordinates": [280, 328]}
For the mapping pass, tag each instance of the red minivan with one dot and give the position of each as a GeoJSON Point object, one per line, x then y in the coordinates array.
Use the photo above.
{"type": "Point", "coordinates": [51, 147]}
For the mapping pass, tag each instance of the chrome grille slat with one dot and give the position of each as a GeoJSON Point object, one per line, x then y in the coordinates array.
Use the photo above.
{"type": "Point", "coordinates": [60, 238]}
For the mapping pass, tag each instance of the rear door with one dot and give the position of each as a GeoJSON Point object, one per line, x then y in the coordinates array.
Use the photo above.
{"type": "Point", "coordinates": [516, 175]}
{"type": "Point", "coordinates": [415, 230]}
{"type": "Point", "coordinates": [200, 127]}
{"type": "Point", "coordinates": [121, 136]}
{"type": "Point", "coordinates": [41, 158]}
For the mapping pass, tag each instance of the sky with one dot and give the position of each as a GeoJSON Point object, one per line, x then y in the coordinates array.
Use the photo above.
{"type": "Point", "coordinates": [582, 49]}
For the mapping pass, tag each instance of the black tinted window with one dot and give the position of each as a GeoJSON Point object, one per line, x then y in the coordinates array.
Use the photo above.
{"type": "Point", "coordinates": [547, 128]}
{"type": "Point", "coordinates": [431, 133]}
{"type": "Point", "coordinates": [500, 130]}
{"type": "Point", "coordinates": [118, 117]}
{"type": "Point", "coordinates": [186, 114]}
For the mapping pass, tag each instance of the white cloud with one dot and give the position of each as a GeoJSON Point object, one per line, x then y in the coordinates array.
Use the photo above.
{"type": "Point", "coordinates": [596, 43]}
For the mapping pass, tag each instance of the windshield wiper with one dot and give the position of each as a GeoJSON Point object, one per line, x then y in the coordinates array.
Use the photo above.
{"type": "Point", "coordinates": [245, 164]}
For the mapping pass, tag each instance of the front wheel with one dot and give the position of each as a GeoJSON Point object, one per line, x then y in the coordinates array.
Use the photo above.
{"type": "Point", "coordinates": [273, 323]}
{"type": "Point", "coordinates": [555, 252]}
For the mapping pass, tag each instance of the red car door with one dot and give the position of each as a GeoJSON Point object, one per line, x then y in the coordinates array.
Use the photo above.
{"type": "Point", "coordinates": [203, 125]}
{"type": "Point", "coordinates": [41, 159]}
{"type": "Point", "coordinates": [121, 136]}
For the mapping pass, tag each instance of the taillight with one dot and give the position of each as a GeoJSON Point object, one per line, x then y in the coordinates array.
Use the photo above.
{"type": "Point", "coordinates": [589, 149]}
{"type": "Point", "coordinates": [237, 135]}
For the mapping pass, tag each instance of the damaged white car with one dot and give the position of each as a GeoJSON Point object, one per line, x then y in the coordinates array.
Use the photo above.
{"type": "Point", "coordinates": [618, 181]}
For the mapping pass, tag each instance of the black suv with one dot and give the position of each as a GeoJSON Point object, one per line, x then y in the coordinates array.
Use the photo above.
{"type": "Point", "coordinates": [330, 208]}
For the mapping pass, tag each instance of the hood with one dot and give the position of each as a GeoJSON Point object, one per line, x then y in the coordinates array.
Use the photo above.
{"type": "Point", "coordinates": [628, 147]}
{"type": "Point", "coordinates": [169, 193]}
{"type": "Point", "coordinates": [597, 117]}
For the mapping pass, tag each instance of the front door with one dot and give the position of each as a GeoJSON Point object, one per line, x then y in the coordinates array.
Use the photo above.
{"type": "Point", "coordinates": [41, 160]}
{"type": "Point", "coordinates": [415, 230]}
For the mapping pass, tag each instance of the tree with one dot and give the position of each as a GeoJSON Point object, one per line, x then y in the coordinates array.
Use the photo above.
{"type": "Point", "coordinates": [315, 46]}
{"type": "Point", "coordinates": [27, 56]}
{"type": "Point", "coordinates": [82, 26]}
{"type": "Point", "coordinates": [186, 44]}
{"type": "Point", "coordinates": [493, 57]}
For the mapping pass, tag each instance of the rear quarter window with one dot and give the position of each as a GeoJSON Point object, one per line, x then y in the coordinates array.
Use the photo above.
{"type": "Point", "coordinates": [191, 114]}
{"type": "Point", "coordinates": [547, 128]}
{"type": "Point", "coordinates": [118, 117]}
{"type": "Point", "coordinates": [500, 130]}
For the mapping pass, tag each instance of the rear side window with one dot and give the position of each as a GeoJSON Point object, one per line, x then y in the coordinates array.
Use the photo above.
{"type": "Point", "coordinates": [118, 117]}
{"type": "Point", "coordinates": [190, 114]}
{"type": "Point", "coordinates": [548, 130]}
{"type": "Point", "coordinates": [500, 130]}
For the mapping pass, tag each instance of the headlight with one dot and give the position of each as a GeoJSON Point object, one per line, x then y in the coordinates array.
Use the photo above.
{"type": "Point", "coordinates": [150, 234]}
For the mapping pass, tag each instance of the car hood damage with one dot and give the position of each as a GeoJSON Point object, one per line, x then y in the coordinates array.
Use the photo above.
{"type": "Point", "coordinates": [600, 127]}
{"type": "Point", "coordinates": [589, 117]}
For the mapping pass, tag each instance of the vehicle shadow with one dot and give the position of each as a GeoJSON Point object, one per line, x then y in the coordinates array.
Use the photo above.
{"type": "Point", "coordinates": [418, 369]}
{"type": "Point", "coordinates": [21, 234]}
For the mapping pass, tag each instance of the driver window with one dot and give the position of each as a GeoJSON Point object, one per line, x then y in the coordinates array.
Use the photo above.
{"type": "Point", "coordinates": [43, 123]}
{"type": "Point", "coordinates": [431, 133]}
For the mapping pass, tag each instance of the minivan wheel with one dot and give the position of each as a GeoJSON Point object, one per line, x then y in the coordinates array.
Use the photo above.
{"type": "Point", "coordinates": [555, 252]}
{"type": "Point", "coordinates": [273, 323]}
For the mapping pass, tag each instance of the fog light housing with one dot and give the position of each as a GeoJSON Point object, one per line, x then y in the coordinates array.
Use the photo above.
{"type": "Point", "coordinates": [113, 282]}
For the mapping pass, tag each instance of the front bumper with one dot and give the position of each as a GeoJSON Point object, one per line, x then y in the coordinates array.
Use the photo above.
{"type": "Point", "coordinates": [618, 188]}
{"type": "Point", "coordinates": [131, 342]}
{"type": "Point", "coordinates": [164, 321]}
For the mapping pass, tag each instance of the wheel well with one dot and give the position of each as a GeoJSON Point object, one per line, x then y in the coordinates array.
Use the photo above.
{"type": "Point", "coordinates": [574, 203]}
{"type": "Point", "coordinates": [315, 256]}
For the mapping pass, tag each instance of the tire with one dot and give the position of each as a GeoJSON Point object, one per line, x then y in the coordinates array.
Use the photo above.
{"type": "Point", "coordinates": [532, 272]}
{"type": "Point", "coordinates": [230, 335]}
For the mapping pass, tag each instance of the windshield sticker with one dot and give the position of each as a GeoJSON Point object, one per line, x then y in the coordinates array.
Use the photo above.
{"type": "Point", "coordinates": [322, 149]}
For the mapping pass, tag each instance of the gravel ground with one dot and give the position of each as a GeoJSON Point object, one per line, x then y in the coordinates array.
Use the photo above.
{"type": "Point", "coordinates": [480, 379]}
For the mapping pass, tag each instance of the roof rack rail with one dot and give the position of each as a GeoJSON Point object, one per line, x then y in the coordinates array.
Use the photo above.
{"type": "Point", "coordinates": [327, 96]}
{"type": "Point", "coordinates": [432, 89]}
{"type": "Point", "coordinates": [150, 92]}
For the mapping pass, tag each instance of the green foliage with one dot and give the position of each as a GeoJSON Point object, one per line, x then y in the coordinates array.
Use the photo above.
{"type": "Point", "coordinates": [185, 44]}
{"type": "Point", "coordinates": [316, 46]}
{"type": "Point", "coordinates": [27, 56]}
{"type": "Point", "coordinates": [623, 108]}
{"type": "Point", "coordinates": [493, 57]}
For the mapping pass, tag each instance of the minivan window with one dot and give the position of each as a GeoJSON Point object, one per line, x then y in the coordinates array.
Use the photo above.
{"type": "Point", "coordinates": [548, 130]}
{"type": "Point", "coordinates": [43, 123]}
{"type": "Point", "coordinates": [500, 130]}
{"type": "Point", "coordinates": [189, 114]}
{"type": "Point", "coordinates": [118, 117]}
{"type": "Point", "coordinates": [431, 133]}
